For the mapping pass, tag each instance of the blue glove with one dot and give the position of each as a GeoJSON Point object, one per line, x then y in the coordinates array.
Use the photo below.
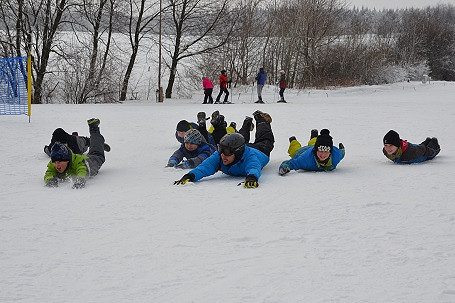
{"type": "Point", "coordinates": [285, 167]}
{"type": "Point", "coordinates": [185, 164]}
{"type": "Point", "coordinates": [171, 163]}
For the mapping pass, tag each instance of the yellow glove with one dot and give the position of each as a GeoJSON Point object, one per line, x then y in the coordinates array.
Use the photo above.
{"type": "Point", "coordinates": [185, 179]}
{"type": "Point", "coordinates": [251, 182]}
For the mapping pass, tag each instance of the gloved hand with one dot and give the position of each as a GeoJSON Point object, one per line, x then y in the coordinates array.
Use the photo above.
{"type": "Point", "coordinates": [251, 181]}
{"type": "Point", "coordinates": [171, 163]}
{"type": "Point", "coordinates": [285, 167]}
{"type": "Point", "coordinates": [185, 179]}
{"type": "Point", "coordinates": [52, 182]}
{"type": "Point", "coordinates": [341, 146]}
{"type": "Point", "coordinates": [79, 183]}
{"type": "Point", "coordinates": [185, 164]}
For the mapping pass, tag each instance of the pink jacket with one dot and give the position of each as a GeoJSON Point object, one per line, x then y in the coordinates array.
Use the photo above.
{"type": "Point", "coordinates": [206, 83]}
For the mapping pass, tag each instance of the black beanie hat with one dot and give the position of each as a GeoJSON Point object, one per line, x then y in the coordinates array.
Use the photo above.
{"type": "Point", "coordinates": [324, 141]}
{"type": "Point", "coordinates": [183, 126]}
{"type": "Point", "coordinates": [60, 152]}
{"type": "Point", "coordinates": [392, 137]}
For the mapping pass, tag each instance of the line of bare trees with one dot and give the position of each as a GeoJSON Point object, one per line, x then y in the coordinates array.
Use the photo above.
{"type": "Point", "coordinates": [91, 50]}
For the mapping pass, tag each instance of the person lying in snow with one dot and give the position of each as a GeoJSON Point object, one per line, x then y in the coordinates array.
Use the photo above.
{"type": "Point", "coordinates": [218, 128]}
{"type": "Point", "coordinates": [236, 158]}
{"type": "Point", "coordinates": [195, 149]}
{"type": "Point", "coordinates": [402, 152]}
{"type": "Point", "coordinates": [65, 164]}
{"type": "Point", "coordinates": [318, 155]}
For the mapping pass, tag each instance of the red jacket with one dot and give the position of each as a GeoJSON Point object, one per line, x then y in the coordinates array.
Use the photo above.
{"type": "Point", "coordinates": [223, 81]}
{"type": "Point", "coordinates": [206, 83]}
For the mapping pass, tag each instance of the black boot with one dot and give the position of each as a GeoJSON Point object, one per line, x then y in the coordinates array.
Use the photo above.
{"type": "Point", "coordinates": [93, 124]}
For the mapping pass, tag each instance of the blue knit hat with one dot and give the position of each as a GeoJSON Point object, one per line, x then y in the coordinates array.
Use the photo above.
{"type": "Point", "coordinates": [60, 152]}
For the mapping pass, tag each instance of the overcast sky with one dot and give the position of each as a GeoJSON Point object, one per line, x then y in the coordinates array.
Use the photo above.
{"type": "Point", "coordinates": [380, 4]}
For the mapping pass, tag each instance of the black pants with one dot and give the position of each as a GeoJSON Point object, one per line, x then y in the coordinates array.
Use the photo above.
{"type": "Point", "coordinates": [282, 92]}
{"type": "Point", "coordinates": [208, 95]}
{"type": "Point", "coordinates": [59, 135]}
{"type": "Point", "coordinates": [223, 90]}
{"type": "Point", "coordinates": [264, 140]}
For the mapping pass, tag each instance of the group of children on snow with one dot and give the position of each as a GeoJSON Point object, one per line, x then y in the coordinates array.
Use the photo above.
{"type": "Point", "coordinates": [234, 155]}
{"type": "Point", "coordinates": [224, 82]}
{"type": "Point", "coordinates": [221, 147]}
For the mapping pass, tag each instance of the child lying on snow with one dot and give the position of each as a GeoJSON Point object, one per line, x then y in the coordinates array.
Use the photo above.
{"type": "Point", "coordinates": [403, 152]}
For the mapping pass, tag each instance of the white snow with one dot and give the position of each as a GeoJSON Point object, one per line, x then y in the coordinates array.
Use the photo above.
{"type": "Point", "coordinates": [370, 231]}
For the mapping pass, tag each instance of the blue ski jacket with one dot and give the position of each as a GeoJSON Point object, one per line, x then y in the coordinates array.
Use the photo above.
{"type": "Point", "coordinates": [261, 77]}
{"type": "Point", "coordinates": [305, 159]}
{"type": "Point", "coordinates": [251, 163]}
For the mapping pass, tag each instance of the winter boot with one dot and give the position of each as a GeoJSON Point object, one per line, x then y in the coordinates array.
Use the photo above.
{"type": "Point", "coordinates": [215, 116]}
{"type": "Point", "coordinates": [93, 124]}
{"type": "Point", "coordinates": [281, 100]}
{"type": "Point", "coordinates": [201, 118]}
{"type": "Point", "coordinates": [46, 150]}
{"type": "Point", "coordinates": [314, 133]}
{"type": "Point", "coordinates": [259, 100]}
{"type": "Point", "coordinates": [106, 147]}
{"type": "Point", "coordinates": [248, 123]}
{"type": "Point", "coordinates": [434, 144]}
{"type": "Point", "coordinates": [265, 116]}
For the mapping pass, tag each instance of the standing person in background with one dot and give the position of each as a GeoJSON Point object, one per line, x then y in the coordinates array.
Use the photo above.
{"type": "Point", "coordinates": [208, 89]}
{"type": "Point", "coordinates": [282, 83]}
{"type": "Point", "coordinates": [223, 87]}
{"type": "Point", "coordinates": [260, 79]}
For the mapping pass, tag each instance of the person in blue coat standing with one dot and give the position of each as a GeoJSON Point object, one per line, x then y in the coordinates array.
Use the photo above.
{"type": "Point", "coordinates": [318, 155]}
{"type": "Point", "coordinates": [260, 80]}
{"type": "Point", "coordinates": [236, 157]}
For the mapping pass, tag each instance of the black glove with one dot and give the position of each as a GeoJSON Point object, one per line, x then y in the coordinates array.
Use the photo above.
{"type": "Point", "coordinates": [251, 181]}
{"type": "Point", "coordinates": [79, 183]}
{"type": "Point", "coordinates": [291, 139]}
{"type": "Point", "coordinates": [185, 179]}
{"type": "Point", "coordinates": [341, 146]}
{"type": "Point", "coordinates": [52, 182]}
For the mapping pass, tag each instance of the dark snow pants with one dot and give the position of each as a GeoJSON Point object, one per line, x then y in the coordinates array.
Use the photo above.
{"type": "Point", "coordinates": [264, 140]}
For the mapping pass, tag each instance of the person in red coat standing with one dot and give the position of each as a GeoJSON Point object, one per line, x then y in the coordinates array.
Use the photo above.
{"type": "Point", "coordinates": [223, 87]}
{"type": "Point", "coordinates": [208, 89]}
{"type": "Point", "coordinates": [282, 83]}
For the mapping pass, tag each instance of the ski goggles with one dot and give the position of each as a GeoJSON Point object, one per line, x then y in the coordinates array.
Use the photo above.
{"type": "Point", "coordinates": [225, 151]}
{"type": "Point", "coordinates": [323, 148]}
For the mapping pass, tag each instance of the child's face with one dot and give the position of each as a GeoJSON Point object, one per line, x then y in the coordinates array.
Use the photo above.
{"type": "Point", "coordinates": [181, 134]}
{"type": "Point", "coordinates": [390, 149]}
{"type": "Point", "coordinates": [190, 146]}
{"type": "Point", "coordinates": [60, 166]}
{"type": "Point", "coordinates": [322, 155]}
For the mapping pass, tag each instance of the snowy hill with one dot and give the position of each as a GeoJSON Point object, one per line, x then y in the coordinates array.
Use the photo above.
{"type": "Point", "coordinates": [370, 231]}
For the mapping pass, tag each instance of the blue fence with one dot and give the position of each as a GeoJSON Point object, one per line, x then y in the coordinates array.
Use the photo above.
{"type": "Point", "coordinates": [13, 86]}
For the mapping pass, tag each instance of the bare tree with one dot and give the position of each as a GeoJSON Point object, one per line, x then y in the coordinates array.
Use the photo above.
{"type": "Point", "coordinates": [194, 28]}
{"type": "Point", "coordinates": [43, 19]}
{"type": "Point", "coordinates": [141, 16]}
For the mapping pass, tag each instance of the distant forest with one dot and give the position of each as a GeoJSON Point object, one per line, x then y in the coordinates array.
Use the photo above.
{"type": "Point", "coordinates": [93, 51]}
